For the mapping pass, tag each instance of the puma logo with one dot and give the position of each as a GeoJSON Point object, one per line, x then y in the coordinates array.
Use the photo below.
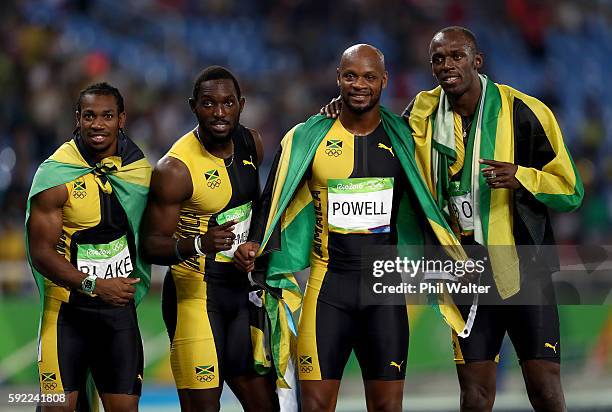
{"type": "Point", "coordinates": [246, 162]}
{"type": "Point", "coordinates": [382, 146]}
{"type": "Point", "coordinates": [139, 377]}
{"type": "Point", "coordinates": [553, 347]}
{"type": "Point", "coordinates": [399, 367]}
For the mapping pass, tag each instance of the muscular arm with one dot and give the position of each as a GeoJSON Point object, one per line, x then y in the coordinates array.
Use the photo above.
{"type": "Point", "coordinates": [44, 231]}
{"type": "Point", "coordinates": [170, 186]}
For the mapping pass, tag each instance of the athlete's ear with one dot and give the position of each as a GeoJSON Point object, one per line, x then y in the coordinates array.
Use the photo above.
{"type": "Point", "coordinates": [338, 76]}
{"type": "Point", "coordinates": [77, 119]}
{"type": "Point", "coordinates": [192, 104]}
{"type": "Point", "coordinates": [122, 117]}
{"type": "Point", "coordinates": [478, 61]}
{"type": "Point", "coordinates": [385, 78]}
{"type": "Point", "coordinates": [241, 102]}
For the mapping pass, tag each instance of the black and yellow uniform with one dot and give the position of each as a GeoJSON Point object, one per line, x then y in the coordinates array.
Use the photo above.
{"type": "Point", "coordinates": [81, 332]}
{"type": "Point", "coordinates": [530, 317]}
{"type": "Point", "coordinates": [206, 303]}
{"type": "Point", "coordinates": [533, 330]}
{"type": "Point", "coordinates": [335, 318]}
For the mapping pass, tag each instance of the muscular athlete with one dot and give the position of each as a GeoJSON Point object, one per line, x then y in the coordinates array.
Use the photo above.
{"type": "Point", "coordinates": [356, 183]}
{"type": "Point", "coordinates": [532, 171]}
{"type": "Point", "coordinates": [199, 211]}
{"type": "Point", "coordinates": [536, 174]}
{"type": "Point", "coordinates": [83, 252]}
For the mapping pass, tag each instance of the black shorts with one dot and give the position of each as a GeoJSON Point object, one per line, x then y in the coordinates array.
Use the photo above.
{"type": "Point", "coordinates": [334, 322]}
{"type": "Point", "coordinates": [208, 323]}
{"type": "Point", "coordinates": [533, 330]}
{"type": "Point", "coordinates": [88, 334]}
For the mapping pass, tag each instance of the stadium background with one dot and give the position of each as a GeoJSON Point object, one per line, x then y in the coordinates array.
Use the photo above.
{"type": "Point", "coordinates": [285, 54]}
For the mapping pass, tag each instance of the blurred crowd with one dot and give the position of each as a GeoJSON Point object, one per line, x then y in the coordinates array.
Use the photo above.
{"type": "Point", "coordinates": [285, 55]}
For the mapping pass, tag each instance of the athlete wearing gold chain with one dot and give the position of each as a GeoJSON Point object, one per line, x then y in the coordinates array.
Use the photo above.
{"type": "Point", "coordinates": [198, 213]}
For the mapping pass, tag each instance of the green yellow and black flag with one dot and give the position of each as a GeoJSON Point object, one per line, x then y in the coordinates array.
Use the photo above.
{"type": "Point", "coordinates": [439, 151]}
{"type": "Point", "coordinates": [290, 223]}
{"type": "Point", "coordinates": [127, 176]}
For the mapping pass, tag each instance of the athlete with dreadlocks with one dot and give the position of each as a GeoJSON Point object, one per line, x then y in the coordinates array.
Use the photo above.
{"type": "Point", "coordinates": [82, 220]}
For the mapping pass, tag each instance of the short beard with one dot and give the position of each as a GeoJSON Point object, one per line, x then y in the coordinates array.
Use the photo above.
{"type": "Point", "coordinates": [360, 109]}
{"type": "Point", "coordinates": [215, 139]}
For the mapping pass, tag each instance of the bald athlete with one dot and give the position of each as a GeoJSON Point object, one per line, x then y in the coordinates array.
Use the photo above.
{"type": "Point", "coordinates": [335, 319]}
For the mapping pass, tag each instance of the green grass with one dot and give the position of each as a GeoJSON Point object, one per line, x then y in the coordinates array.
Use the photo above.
{"type": "Point", "coordinates": [430, 348]}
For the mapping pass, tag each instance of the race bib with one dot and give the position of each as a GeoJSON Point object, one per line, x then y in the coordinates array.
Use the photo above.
{"type": "Point", "coordinates": [242, 215]}
{"type": "Point", "coordinates": [461, 206]}
{"type": "Point", "coordinates": [359, 205]}
{"type": "Point", "coordinates": [105, 260]}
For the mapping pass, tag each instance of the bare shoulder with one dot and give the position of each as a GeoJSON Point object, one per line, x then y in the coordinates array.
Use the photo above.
{"type": "Point", "coordinates": [171, 167]}
{"type": "Point", "coordinates": [258, 144]}
{"type": "Point", "coordinates": [52, 198]}
{"type": "Point", "coordinates": [171, 179]}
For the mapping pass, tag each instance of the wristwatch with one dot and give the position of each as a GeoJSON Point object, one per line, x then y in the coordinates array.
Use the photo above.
{"type": "Point", "coordinates": [88, 284]}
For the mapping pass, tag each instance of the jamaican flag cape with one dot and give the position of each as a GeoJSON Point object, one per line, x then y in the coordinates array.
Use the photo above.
{"type": "Point", "coordinates": [127, 175]}
{"type": "Point", "coordinates": [290, 224]}
{"type": "Point", "coordinates": [545, 170]}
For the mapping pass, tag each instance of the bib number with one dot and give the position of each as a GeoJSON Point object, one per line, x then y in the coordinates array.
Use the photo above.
{"type": "Point", "coordinates": [360, 205]}
{"type": "Point", "coordinates": [105, 260]}
{"type": "Point", "coordinates": [462, 208]}
{"type": "Point", "coordinates": [242, 215]}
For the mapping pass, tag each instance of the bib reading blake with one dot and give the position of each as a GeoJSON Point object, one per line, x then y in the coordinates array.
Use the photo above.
{"type": "Point", "coordinates": [360, 205]}
{"type": "Point", "coordinates": [242, 215]}
{"type": "Point", "coordinates": [105, 260]}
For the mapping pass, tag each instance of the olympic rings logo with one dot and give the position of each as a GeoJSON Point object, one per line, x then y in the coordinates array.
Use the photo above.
{"type": "Point", "coordinates": [212, 184]}
{"type": "Point", "coordinates": [49, 386]}
{"type": "Point", "coordinates": [333, 152]}
{"type": "Point", "coordinates": [79, 194]}
{"type": "Point", "coordinates": [306, 369]}
{"type": "Point", "coordinates": [205, 378]}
